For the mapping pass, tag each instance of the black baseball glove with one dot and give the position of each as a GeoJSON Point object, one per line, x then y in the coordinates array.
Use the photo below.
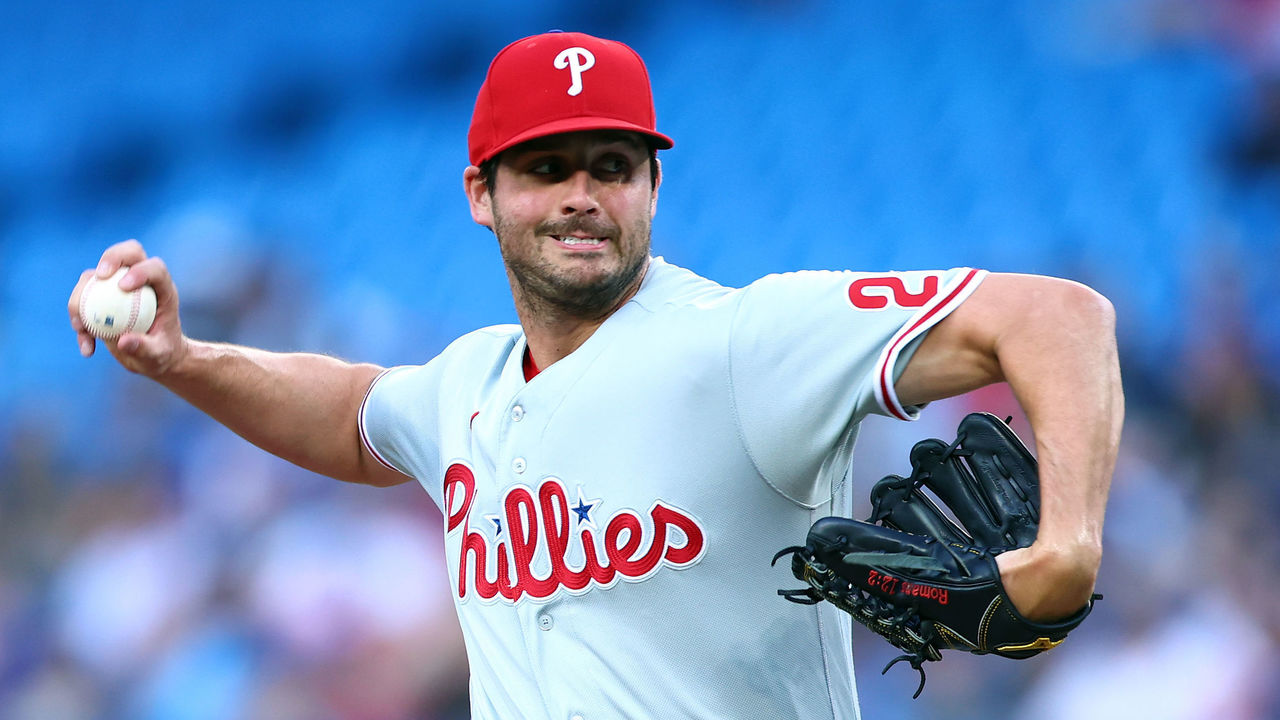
{"type": "Point", "coordinates": [920, 579]}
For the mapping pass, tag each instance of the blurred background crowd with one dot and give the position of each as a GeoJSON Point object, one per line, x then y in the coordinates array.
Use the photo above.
{"type": "Point", "coordinates": [299, 164]}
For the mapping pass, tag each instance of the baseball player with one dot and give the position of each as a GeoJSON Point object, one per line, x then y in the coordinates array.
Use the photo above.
{"type": "Point", "coordinates": [616, 471]}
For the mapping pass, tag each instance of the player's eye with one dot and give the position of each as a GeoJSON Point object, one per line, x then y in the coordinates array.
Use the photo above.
{"type": "Point", "coordinates": [546, 168]}
{"type": "Point", "coordinates": [613, 165]}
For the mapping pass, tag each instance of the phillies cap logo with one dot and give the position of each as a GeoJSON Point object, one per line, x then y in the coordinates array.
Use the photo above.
{"type": "Point", "coordinates": [578, 60]}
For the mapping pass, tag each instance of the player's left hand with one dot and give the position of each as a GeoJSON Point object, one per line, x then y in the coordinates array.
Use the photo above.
{"type": "Point", "coordinates": [977, 579]}
{"type": "Point", "coordinates": [1047, 584]}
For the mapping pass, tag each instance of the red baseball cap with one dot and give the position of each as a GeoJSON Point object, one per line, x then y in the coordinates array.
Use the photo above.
{"type": "Point", "coordinates": [561, 82]}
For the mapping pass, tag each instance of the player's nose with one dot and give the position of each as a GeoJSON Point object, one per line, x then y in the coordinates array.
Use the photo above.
{"type": "Point", "coordinates": [579, 194]}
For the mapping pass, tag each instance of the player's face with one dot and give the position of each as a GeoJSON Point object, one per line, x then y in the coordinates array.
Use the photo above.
{"type": "Point", "coordinates": [573, 215]}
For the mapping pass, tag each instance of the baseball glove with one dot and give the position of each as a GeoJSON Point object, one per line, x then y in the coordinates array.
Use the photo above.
{"type": "Point", "coordinates": [921, 579]}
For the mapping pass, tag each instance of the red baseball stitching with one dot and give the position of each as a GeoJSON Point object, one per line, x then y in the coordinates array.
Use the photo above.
{"type": "Point", "coordinates": [135, 309]}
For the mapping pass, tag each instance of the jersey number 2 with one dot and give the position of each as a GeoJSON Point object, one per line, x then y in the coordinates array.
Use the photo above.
{"type": "Point", "coordinates": [872, 293]}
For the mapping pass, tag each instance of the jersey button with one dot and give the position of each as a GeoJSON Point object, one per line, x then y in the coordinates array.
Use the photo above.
{"type": "Point", "coordinates": [517, 413]}
{"type": "Point", "coordinates": [518, 466]}
{"type": "Point", "coordinates": [576, 716]}
{"type": "Point", "coordinates": [545, 622]}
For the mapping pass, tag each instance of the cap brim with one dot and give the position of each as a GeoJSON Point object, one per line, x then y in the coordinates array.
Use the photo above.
{"type": "Point", "coordinates": [580, 124]}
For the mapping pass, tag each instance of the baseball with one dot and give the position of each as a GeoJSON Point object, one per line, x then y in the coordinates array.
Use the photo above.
{"type": "Point", "coordinates": [109, 312]}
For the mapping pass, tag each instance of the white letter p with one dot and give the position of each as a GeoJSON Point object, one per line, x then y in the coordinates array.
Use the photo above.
{"type": "Point", "coordinates": [578, 60]}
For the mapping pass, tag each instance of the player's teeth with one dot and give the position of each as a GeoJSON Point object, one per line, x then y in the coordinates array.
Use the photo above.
{"type": "Point", "coordinates": [580, 241]}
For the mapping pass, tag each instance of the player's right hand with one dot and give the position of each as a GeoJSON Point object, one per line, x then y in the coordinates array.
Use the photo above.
{"type": "Point", "coordinates": [158, 350]}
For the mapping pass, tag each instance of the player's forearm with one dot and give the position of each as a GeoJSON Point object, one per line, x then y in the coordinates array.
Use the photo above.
{"type": "Point", "coordinates": [1061, 361]}
{"type": "Point", "coordinates": [299, 406]}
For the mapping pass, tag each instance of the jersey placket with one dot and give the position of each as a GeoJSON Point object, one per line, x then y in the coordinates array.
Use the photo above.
{"type": "Point", "coordinates": [521, 426]}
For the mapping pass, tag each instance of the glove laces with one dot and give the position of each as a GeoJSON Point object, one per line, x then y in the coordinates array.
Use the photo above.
{"type": "Point", "coordinates": [916, 660]}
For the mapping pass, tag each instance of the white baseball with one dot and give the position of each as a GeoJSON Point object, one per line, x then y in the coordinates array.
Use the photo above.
{"type": "Point", "coordinates": [109, 312]}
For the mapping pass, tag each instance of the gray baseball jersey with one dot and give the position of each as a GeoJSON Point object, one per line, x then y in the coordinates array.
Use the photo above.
{"type": "Point", "coordinates": [609, 522]}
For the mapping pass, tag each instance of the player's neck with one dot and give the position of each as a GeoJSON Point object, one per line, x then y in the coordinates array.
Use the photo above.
{"type": "Point", "coordinates": [552, 334]}
{"type": "Point", "coordinates": [549, 344]}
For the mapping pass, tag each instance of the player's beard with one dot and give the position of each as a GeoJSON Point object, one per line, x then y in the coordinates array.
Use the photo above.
{"type": "Point", "coordinates": [545, 287]}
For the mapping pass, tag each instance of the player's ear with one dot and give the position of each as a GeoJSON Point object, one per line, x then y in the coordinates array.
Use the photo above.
{"type": "Point", "coordinates": [657, 182]}
{"type": "Point", "coordinates": [478, 196]}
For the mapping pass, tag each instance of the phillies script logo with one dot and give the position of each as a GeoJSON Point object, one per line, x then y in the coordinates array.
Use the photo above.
{"type": "Point", "coordinates": [874, 293]}
{"type": "Point", "coordinates": [537, 529]}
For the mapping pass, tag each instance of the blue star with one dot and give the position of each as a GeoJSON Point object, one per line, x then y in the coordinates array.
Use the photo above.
{"type": "Point", "coordinates": [584, 508]}
{"type": "Point", "coordinates": [497, 523]}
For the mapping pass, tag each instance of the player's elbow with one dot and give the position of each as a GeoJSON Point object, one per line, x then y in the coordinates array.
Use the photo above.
{"type": "Point", "coordinates": [1066, 304]}
{"type": "Point", "coordinates": [1092, 306]}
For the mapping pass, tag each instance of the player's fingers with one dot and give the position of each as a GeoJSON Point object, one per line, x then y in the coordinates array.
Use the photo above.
{"type": "Point", "coordinates": [154, 272]}
{"type": "Point", "coordinates": [83, 338]}
{"type": "Point", "coordinates": [150, 271]}
{"type": "Point", "coordinates": [129, 252]}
